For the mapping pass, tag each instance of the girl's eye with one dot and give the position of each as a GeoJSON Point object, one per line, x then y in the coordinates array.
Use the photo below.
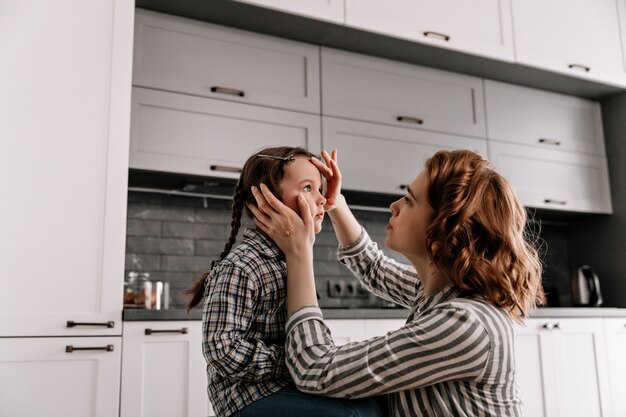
{"type": "Point", "coordinates": [407, 200]}
{"type": "Point", "coordinates": [308, 188]}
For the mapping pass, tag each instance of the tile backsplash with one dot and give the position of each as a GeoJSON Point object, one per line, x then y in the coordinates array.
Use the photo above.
{"type": "Point", "coordinates": [175, 238]}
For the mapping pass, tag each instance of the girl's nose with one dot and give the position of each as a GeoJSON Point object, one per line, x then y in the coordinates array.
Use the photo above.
{"type": "Point", "coordinates": [321, 200]}
{"type": "Point", "coordinates": [394, 208]}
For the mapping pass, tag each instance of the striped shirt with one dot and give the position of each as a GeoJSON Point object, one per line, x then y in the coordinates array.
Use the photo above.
{"type": "Point", "coordinates": [453, 357]}
{"type": "Point", "coordinates": [243, 324]}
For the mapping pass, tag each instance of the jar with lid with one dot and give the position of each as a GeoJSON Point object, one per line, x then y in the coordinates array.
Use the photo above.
{"type": "Point", "coordinates": [137, 290]}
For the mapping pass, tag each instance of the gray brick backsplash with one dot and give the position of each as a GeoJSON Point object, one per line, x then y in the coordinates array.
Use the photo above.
{"type": "Point", "coordinates": [159, 245]}
{"type": "Point", "coordinates": [185, 263]}
{"type": "Point", "coordinates": [147, 212]}
{"type": "Point", "coordinates": [141, 262]}
{"type": "Point", "coordinates": [136, 227]}
{"type": "Point", "coordinates": [195, 230]}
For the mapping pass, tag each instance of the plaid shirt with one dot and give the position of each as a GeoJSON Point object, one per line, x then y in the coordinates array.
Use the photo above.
{"type": "Point", "coordinates": [244, 324]}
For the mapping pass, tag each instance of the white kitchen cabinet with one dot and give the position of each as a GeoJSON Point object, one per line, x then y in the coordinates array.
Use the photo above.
{"type": "Point", "coordinates": [164, 371]}
{"type": "Point", "coordinates": [615, 330]}
{"type": "Point", "coordinates": [346, 330]}
{"type": "Point", "coordinates": [543, 119]}
{"type": "Point", "coordinates": [326, 10]}
{"type": "Point", "coordinates": [367, 150]}
{"type": "Point", "coordinates": [195, 135]}
{"type": "Point", "coordinates": [580, 38]}
{"type": "Point", "coordinates": [554, 180]}
{"type": "Point", "coordinates": [562, 367]}
{"type": "Point", "coordinates": [199, 58]}
{"type": "Point", "coordinates": [480, 27]}
{"type": "Point", "coordinates": [377, 90]}
{"type": "Point", "coordinates": [65, 77]}
{"type": "Point", "coordinates": [56, 377]}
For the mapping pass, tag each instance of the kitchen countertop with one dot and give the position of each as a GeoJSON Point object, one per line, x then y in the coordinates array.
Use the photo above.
{"type": "Point", "coordinates": [372, 313]}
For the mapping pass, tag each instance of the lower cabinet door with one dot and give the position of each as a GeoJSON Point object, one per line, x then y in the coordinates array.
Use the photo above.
{"type": "Point", "coordinates": [60, 376]}
{"type": "Point", "coordinates": [615, 330]}
{"type": "Point", "coordinates": [163, 370]}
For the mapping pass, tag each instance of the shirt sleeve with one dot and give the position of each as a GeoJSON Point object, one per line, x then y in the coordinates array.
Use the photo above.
{"type": "Point", "coordinates": [445, 344]}
{"type": "Point", "coordinates": [229, 343]}
{"type": "Point", "coordinates": [383, 276]}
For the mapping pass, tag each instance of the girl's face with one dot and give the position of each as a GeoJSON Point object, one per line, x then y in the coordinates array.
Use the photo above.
{"type": "Point", "coordinates": [301, 176]}
{"type": "Point", "coordinates": [410, 217]}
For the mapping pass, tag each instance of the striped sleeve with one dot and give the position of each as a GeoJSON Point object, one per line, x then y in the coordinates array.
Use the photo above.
{"type": "Point", "coordinates": [444, 344]}
{"type": "Point", "coordinates": [383, 276]}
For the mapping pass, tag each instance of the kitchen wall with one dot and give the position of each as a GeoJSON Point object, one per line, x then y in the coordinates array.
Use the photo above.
{"type": "Point", "coordinates": [176, 237]}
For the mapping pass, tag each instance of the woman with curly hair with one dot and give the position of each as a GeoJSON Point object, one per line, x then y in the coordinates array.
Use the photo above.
{"type": "Point", "coordinates": [473, 273]}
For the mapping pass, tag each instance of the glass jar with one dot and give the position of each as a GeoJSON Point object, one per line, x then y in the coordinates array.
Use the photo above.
{"type": "Point", "coordinates": [137, 290]}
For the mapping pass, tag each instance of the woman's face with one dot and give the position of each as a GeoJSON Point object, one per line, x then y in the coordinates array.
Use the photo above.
{"type": "Point", "coordinates": [410, 218]}
{"type": "Point", "coordinates": [301, 176]}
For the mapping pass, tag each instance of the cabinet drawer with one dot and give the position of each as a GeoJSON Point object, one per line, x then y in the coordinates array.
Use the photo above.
{"type": "Point", "coordinates": [553, 179]}
{"type": "Point", "coordinates": [194, 135]}
{"type": "Point", "coordinates": [543, 119]}
{"type": "Point", "coordinates": [367, 151]}
{"type": "Point", "coordinates": [199, 58]}
{"type": "Point", "coordinates": [327, 10]}
{"type": "Point", "coordinates": [376, 90]}
{"type": "Point", "coordinates": [480, 27]}
{"type": "Point", "coordinates": [580, 38]}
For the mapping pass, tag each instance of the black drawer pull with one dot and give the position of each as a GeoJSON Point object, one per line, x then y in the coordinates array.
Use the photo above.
{"type": "Point", "coordinates": [70, 349]}
{"type": "Point", "coordinates": [184, 330]}
{"type": "Point", "coordinates": [410, 119]}
{"type": "Point", "coordinates": [552, 201]}
{"type": "Point", "coordinates": [437, 34]}
{"type": "Point", "coordinates": [583, 67]}
{"type": "Point", "coordinates": [548, 141]}
{"type": "Point", "coordinates": [224, 168]}
{"type": "Point", "coordinates": [226, 90]}
{"type": "Point", "coordinates": [403, 186]}
{"type": "Point", "coordinates": [108, 324]}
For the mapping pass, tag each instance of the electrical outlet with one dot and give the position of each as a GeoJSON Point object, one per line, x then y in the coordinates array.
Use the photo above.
{"type": "Point", "coordinates": [341, 288]}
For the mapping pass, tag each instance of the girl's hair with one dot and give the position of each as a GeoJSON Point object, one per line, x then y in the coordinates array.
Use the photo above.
{"type": "Point", "coordinates": [478, 236]}
{"type": "Point", "coordinates": [266, 166]}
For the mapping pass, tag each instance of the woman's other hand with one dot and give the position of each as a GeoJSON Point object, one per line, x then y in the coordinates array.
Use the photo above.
{"type": "Point", "coordinates": [332, 174]}
{"type": "Point", "coordinates": [293, 234]}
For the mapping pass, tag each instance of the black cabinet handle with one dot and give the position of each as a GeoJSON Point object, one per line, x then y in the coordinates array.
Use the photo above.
{"type": "Point", "coordinates": [409, 119]}
{"type": "Point", "coordinates": [108, 324]}
{"type": "Point", "coordinates": [553, 201]}
{"type": "Point", "coordinates": [184, 330]}
{"type": "Point", "coordinates": [70, 349]}
{"type": "Point", "coordinates": [223, 168]}
{"type": "Point", "coordinates": [226, 90]}
{"type": "Point", "coordinates": [443, 36]}
{"type": "Point", "coordinates": [548, 141]}
{"type": "Point", "coordinates": [578, 66]}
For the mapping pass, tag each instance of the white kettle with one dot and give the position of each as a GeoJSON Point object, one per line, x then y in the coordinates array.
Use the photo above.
{"type": "Point", "coordinates": [586, 287]}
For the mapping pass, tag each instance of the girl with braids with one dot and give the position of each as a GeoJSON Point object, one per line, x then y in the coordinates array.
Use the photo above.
{"type": "Point", "coordinates": [245, 302]}
{"type": "Point", "coordinates": [472, 275]}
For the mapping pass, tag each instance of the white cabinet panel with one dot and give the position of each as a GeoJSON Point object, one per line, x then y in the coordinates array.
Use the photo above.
{"type": "Point", "coordinates": [366, 151]}
{"type": "Point", "coordinates": [567, 356]}
{"type": "Point", "coordinates": [382, 91]}
{"type": "Point", "coordinates": [39, 377]}
{"type": "Point", "coordinates": [346, 330]}
{"type": "Point", "coordinates": [576, 37]}
{"type": "Point", "coordinates": [554, 179]}
{"type": "Point", "coordinates": [65, 112]}
{"type": "Point", "coordinates": [199, 58]}
{"type": "Point", "coordinates": [543, 119]}
{"type": "Point", "coordinates": [615, 329]}
{"type": "Point", "coordinates": [327, 10]}
{"type": "Point", "coordinates": [164, 372]}
{"type": "Point", "coordinates": [481, 27]}
{"type": "Point", "coordinates": [193, 135]}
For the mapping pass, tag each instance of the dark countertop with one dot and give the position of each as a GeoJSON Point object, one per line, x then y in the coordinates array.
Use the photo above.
{"type": "Point", "coordinates": [373, 313]}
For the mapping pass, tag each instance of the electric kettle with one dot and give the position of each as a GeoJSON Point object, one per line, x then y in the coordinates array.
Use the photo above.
{"type": "Point", "coordinates": [586, 287]}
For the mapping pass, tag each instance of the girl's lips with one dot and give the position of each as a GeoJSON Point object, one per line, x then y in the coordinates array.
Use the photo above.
{"type": "Point", "coordinates": [389, 227]}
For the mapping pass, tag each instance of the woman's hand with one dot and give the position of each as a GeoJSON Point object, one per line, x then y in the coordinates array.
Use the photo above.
{"type": "Point", "coordinates": [331, 172]}
{"type": "Point", "coordinates": [293, 235]}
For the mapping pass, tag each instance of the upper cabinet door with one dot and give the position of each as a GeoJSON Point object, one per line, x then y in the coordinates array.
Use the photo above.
{"type": "Point", "coordinates": [542, 119]}
{"type": "Point", "coordinates": [327, 10]}
{"type": "Point", "coordinates": [64, 165]}
{"type": "Point", "coordinates": [202, 59]}
{"type": "Point", "coordinates": [577, 37]}
{"type": "Point", "coordinates": [478, 27]}
{"type": "Point", "coordinates": [377, 90]}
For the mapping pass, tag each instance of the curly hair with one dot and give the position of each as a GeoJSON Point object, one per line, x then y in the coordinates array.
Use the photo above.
{"type": "Point", "coordinates": [266, 166]}
{"type": "Point", "coordinates": [478, 236]}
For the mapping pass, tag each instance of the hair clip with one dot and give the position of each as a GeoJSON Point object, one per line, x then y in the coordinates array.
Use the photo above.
{"type": "Point", "coordinates": [288, 158]}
